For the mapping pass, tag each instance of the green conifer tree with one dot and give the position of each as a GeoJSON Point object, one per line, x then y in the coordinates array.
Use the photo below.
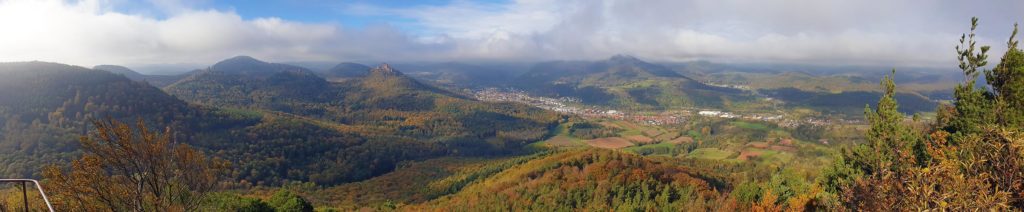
{"type": "Point", "coordinates": [1007, 81]}
{"type": "Point", "coordinates": [972, 104]}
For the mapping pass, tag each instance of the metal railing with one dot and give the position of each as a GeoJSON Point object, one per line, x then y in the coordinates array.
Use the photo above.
{"type": "Point", "coordinates": [24, 191]}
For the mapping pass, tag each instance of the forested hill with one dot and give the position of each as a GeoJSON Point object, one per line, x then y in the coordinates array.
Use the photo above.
{"type": "Point", "coordinates": [624, 81]}
{"type": "Point", "coordinates": [246, 82]}
{"type": "Point", "coordinates": [385, 100]}
{"type": "Point", "coordinates": [44, 107]}
{"type": "Point", "coordinates": [57, 93]}
{"type": "Point", "coordinates": [248, 66]}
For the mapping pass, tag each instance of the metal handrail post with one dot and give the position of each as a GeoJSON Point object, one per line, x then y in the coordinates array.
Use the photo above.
{"type": "Point", "coordinates": [24, 195]}
{"type": "Point", "coordinates": [24, 191]}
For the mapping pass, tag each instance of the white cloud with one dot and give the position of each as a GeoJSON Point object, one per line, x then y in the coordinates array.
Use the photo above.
{"type": "Point", "coordinates": [88, 33]}
{"type": "Point", "coordinates": [806, 31]}
{"type": "Point", "coordinates": [874, 32]}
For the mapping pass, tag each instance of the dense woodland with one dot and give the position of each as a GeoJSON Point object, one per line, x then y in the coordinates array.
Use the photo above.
{"type": "Point", "coordinates": [592, 180]}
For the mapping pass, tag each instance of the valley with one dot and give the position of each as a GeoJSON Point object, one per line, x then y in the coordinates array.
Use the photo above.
{"type": "Point", "coordinates": [331, 136]}
{"type": "Point", "coordinates": [526, 105]}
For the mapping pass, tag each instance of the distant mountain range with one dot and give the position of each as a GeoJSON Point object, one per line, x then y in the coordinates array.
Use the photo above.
{"type": "Point", "coordinates": [345, 70]}
{"type": "Point", "coordinates": [620, 81]}
{"type": "Point", "coordinates": [625, 81]}
{"type": "Point", "coordinates": [155, 80]}
{"type": "Point", "coordinates": [932, 82]}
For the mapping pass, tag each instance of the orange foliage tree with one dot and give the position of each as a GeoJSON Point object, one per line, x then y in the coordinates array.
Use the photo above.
{"type": "Point", "coordinates": [126, 169]}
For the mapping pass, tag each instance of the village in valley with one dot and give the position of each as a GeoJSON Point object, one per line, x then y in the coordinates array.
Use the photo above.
{"type": "Point", "coordinates": [574, 106]}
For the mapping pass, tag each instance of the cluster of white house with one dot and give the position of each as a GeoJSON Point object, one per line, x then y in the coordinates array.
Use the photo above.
{"type": "Point", "coordinates": [715, 113]}
{"type": "Point", "coordinates": [720, 114]}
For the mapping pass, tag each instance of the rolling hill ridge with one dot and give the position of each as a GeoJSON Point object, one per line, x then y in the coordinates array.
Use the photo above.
{"type": "Point", "coordinates": [299, 127]}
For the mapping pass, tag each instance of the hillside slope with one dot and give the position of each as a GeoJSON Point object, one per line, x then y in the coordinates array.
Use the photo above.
{"type": "Point", "coordinates": [590, 179]}
{"type": "Point", "coordinates": [44, 106]}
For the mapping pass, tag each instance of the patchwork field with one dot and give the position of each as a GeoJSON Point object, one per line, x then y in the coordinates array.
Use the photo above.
{"type": "Point", "coordinates": [667, 136]}
{"type": "Point", "coordinates": [610, 143]}
{"type": "Point", "coordinates": [728, 140]}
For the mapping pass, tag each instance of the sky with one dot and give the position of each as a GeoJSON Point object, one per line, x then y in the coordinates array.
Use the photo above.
{"type": "Point", "coordinates": [141, 32]}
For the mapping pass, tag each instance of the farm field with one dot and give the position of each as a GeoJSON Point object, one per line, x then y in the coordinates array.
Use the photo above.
{"type": "Point", "coordinates": [610, 143]}
{"type": "Point", "coordinates": [726, 140]}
